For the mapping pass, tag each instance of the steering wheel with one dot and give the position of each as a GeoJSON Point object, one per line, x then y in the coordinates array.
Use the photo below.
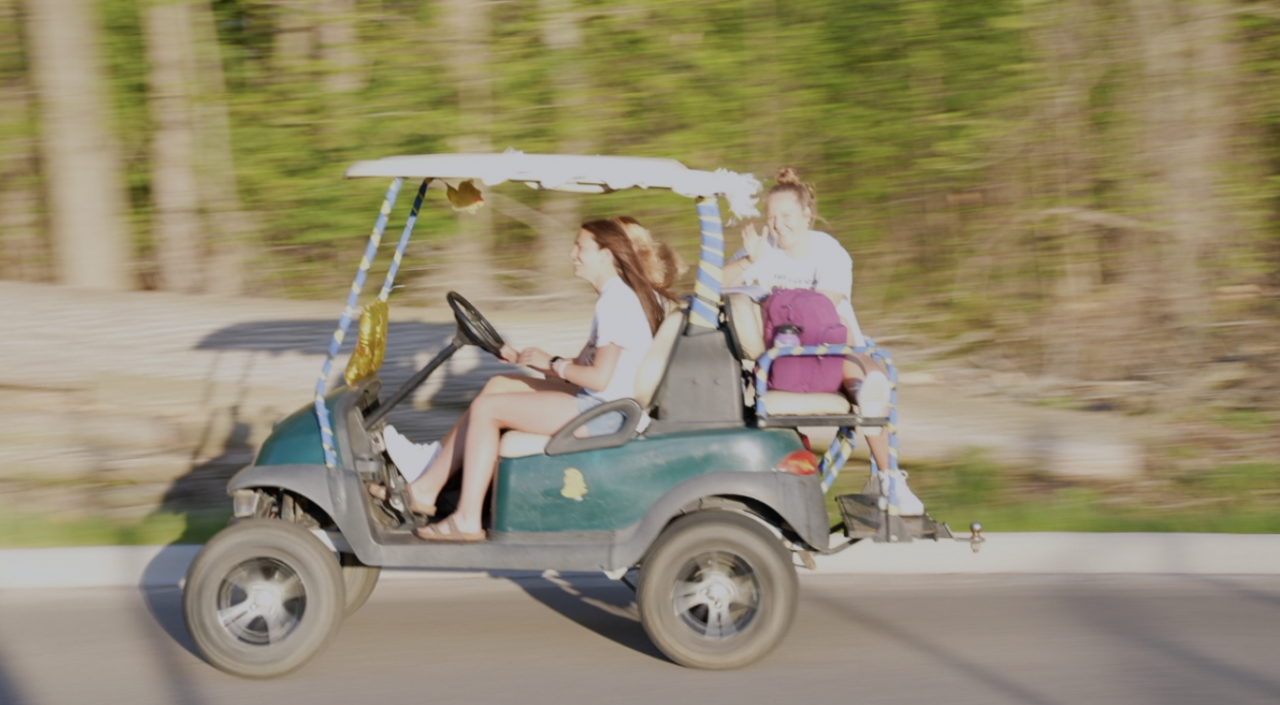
{"type": "Point", "coordinates": [474, 326]}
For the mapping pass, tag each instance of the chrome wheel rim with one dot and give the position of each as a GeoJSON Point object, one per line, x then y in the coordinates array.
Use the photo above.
{"type": "Point", "coordinates": [716, 595]}
{"type": "Point", "coordinates": [261, 601]}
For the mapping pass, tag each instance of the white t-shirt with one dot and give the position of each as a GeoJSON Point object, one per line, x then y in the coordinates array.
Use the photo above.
{"type": "Point", "coordinates": [826, 266]}
{"type": "Point", "coordinates": [619, 320]}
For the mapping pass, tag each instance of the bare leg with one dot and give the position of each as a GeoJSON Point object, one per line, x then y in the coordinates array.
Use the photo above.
{"type": "Point", "coordinates": [539, 412]}
{"type": "Point", "coordinates": [427, 487]}
{"type": "Point", "coordinates": [856, 369]}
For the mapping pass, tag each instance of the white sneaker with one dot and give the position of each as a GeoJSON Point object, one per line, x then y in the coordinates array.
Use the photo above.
{"type": "Point", "coordinates": [908, 504]}
{"type": "Point", "coordinates": [412, 459]}
{"type": "Point", "coordinates": [873, 400]}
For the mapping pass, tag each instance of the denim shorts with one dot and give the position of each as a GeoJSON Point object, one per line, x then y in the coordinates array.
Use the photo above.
{"type": "Point", "coordinates": [602, 425]}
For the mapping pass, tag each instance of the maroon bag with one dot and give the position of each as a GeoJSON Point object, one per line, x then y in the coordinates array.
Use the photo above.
{"type": "Point", "coordinates": [815, 315]}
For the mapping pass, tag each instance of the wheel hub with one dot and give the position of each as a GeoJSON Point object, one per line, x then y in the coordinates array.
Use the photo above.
{"type": "Point", "coordinates": [718, 591]}
{"type": "Point", "coordinates": [261, 601]}
{"type": "Point", "coordinates": [717, 595]}
{"type": "Point", "coordinates": [264, 598]}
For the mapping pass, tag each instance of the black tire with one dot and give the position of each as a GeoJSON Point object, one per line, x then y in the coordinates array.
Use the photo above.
{"type": "Point", "coordinates": [262, 598]}
{"type": "Point", "coordinates": [360, 580]}
{"type": "Point", "coordinates": [717, 591]}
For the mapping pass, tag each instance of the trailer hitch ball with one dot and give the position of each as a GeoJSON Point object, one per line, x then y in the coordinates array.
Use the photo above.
{"type": "Point", "coordinates": [975, 539]}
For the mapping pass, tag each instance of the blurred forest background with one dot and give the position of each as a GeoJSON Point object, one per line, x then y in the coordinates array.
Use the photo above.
{"type": "Point", "coordinates": [1092, 186]}
{"type": "Point", "coordinates": [1071, 203]}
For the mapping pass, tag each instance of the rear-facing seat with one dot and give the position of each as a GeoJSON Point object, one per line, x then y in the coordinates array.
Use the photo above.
{"type": "Point", "coordinates": [746, 325]}
{"type": "Point", "coordinates": [518, 444]}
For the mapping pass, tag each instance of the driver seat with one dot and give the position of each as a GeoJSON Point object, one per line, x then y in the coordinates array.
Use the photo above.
{"type": "Point", "coordinates": [518, 444]}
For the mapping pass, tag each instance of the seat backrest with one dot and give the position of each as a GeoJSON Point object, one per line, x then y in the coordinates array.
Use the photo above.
{"type": "Point", "coordinates": [746, 325]}
{"type": "Point", "coordinates": [654, 365]}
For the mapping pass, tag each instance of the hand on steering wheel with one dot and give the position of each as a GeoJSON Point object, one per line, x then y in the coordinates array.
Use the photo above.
{"type": "Point", "coordinates": [474, 327]}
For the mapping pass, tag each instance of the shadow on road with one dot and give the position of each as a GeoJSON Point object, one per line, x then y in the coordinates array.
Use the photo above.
{"type": "Point", "coordinates": [1239, 587]}
{"type": "Point", "coordinates": [1190, 670]}
{"type": "Point", "coordinates": [926, 649]}
{"type": "Point", "coordinates": [164, 603]}
{"type": "Point", "coordinates": [162, 595]}
{"type": "Point", "coordinates": [8, 689]}
{"type": "Point", "coordinates": [594, 602]}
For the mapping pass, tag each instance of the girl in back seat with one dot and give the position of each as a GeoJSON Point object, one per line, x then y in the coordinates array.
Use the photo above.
{"type": "Point", "coordinates": [791, 255]}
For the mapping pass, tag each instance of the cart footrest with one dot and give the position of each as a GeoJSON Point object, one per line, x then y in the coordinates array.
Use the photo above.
{"type": "Point", "coordinates": [863, 519]}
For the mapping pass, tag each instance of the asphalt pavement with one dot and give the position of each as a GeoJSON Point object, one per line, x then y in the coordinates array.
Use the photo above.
{"type": "Point", "coordinates": [984, 639]}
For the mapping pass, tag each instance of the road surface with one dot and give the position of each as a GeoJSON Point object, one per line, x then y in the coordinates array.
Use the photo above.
{"type": "Point", "coordinates": [857, 639]}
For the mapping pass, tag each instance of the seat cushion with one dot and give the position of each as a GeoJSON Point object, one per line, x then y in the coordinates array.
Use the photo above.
{"type": "Point", "coordinates": [796, 404]}
{"type": "Point", "coordinates": [518, 444]}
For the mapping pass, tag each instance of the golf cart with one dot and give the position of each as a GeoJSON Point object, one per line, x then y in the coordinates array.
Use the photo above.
{"type": "Point", "coordinates": [708, 489]}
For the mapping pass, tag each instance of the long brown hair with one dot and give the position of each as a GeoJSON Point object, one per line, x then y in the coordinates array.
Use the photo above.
{"type": "Point", "coordinates": [661, 263]}
{"type": "Point", "coordinates": [611, 235]}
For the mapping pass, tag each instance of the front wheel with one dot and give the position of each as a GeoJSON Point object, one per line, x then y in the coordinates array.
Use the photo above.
{"type": "Point", "coordinates": [359, 579]}
{"type": "Point", "coordinates": [262, 598]}
{"type": "Point", "coordinates": [717, 591]}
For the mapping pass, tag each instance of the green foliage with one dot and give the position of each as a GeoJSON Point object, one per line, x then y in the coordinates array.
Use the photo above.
{"type": "Point", "coordinates": [20, 529]}
{"type": "Point", "coordinates": [938, 133]}
{"type": "Point", "coordinates": [869, 99]}
{"type": "Point", "coordinates": [1234, 498]}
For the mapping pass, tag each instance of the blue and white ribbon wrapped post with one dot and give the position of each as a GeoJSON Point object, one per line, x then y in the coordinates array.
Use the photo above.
{"type": "Point", "coordinates": [704, 310]}
{"type": "Point", "coordinates": [344, 322]}
{"type": "Point", "coordinates": [404, 241]}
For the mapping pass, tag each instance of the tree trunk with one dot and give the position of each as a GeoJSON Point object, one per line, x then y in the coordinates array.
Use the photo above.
{"type": "Point", "coordinates": [339, 46]}
{"type": "Point", "coordinates": [563, 38]}
{"type": "Point", "coordinates": [82, 167]}
{"type": "Point", "coordinates": [1187, 69]}
{"type": "Point", "coordinates": [175, 192]}
{"type": "Point", "coordinates": [230, 229]}
{"type": "Point", "coordinates": [1067, 40]}
{"type": "Point", "coordinates": [294, 37]}
{"type": "Point", "coordinates": [467, 25]}
{"type": "Point", "coordinates": [23, 252]}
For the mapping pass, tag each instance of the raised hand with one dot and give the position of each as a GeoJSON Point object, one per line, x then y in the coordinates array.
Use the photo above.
{"type": "Point", "coordinates": [753, 241]}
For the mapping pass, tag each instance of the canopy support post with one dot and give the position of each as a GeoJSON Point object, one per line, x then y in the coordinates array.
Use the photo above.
{"type": "Point", "coordinates": [344, 322]}
{"type": "Point", "coordinates": [705, 307]}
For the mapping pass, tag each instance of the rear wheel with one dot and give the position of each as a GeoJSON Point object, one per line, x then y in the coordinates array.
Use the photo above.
{"type": "Point", "coordinates": [717, 591]}
{"type": "Point", "coordinates": [262, 598]}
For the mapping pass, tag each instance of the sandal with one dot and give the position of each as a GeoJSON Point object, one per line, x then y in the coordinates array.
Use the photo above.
{"type": "Point", "coordinates": [380, 492]}
{"type": "Point", "coordinates": [430, 532]}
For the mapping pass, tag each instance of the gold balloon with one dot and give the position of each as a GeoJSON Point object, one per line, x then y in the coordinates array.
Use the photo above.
{"type": "Point", "coordinates": [371, 346]}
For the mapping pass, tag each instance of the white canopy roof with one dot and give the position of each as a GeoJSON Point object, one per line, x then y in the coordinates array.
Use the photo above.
{"type": "Point", "coordinates": [579, 173]}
